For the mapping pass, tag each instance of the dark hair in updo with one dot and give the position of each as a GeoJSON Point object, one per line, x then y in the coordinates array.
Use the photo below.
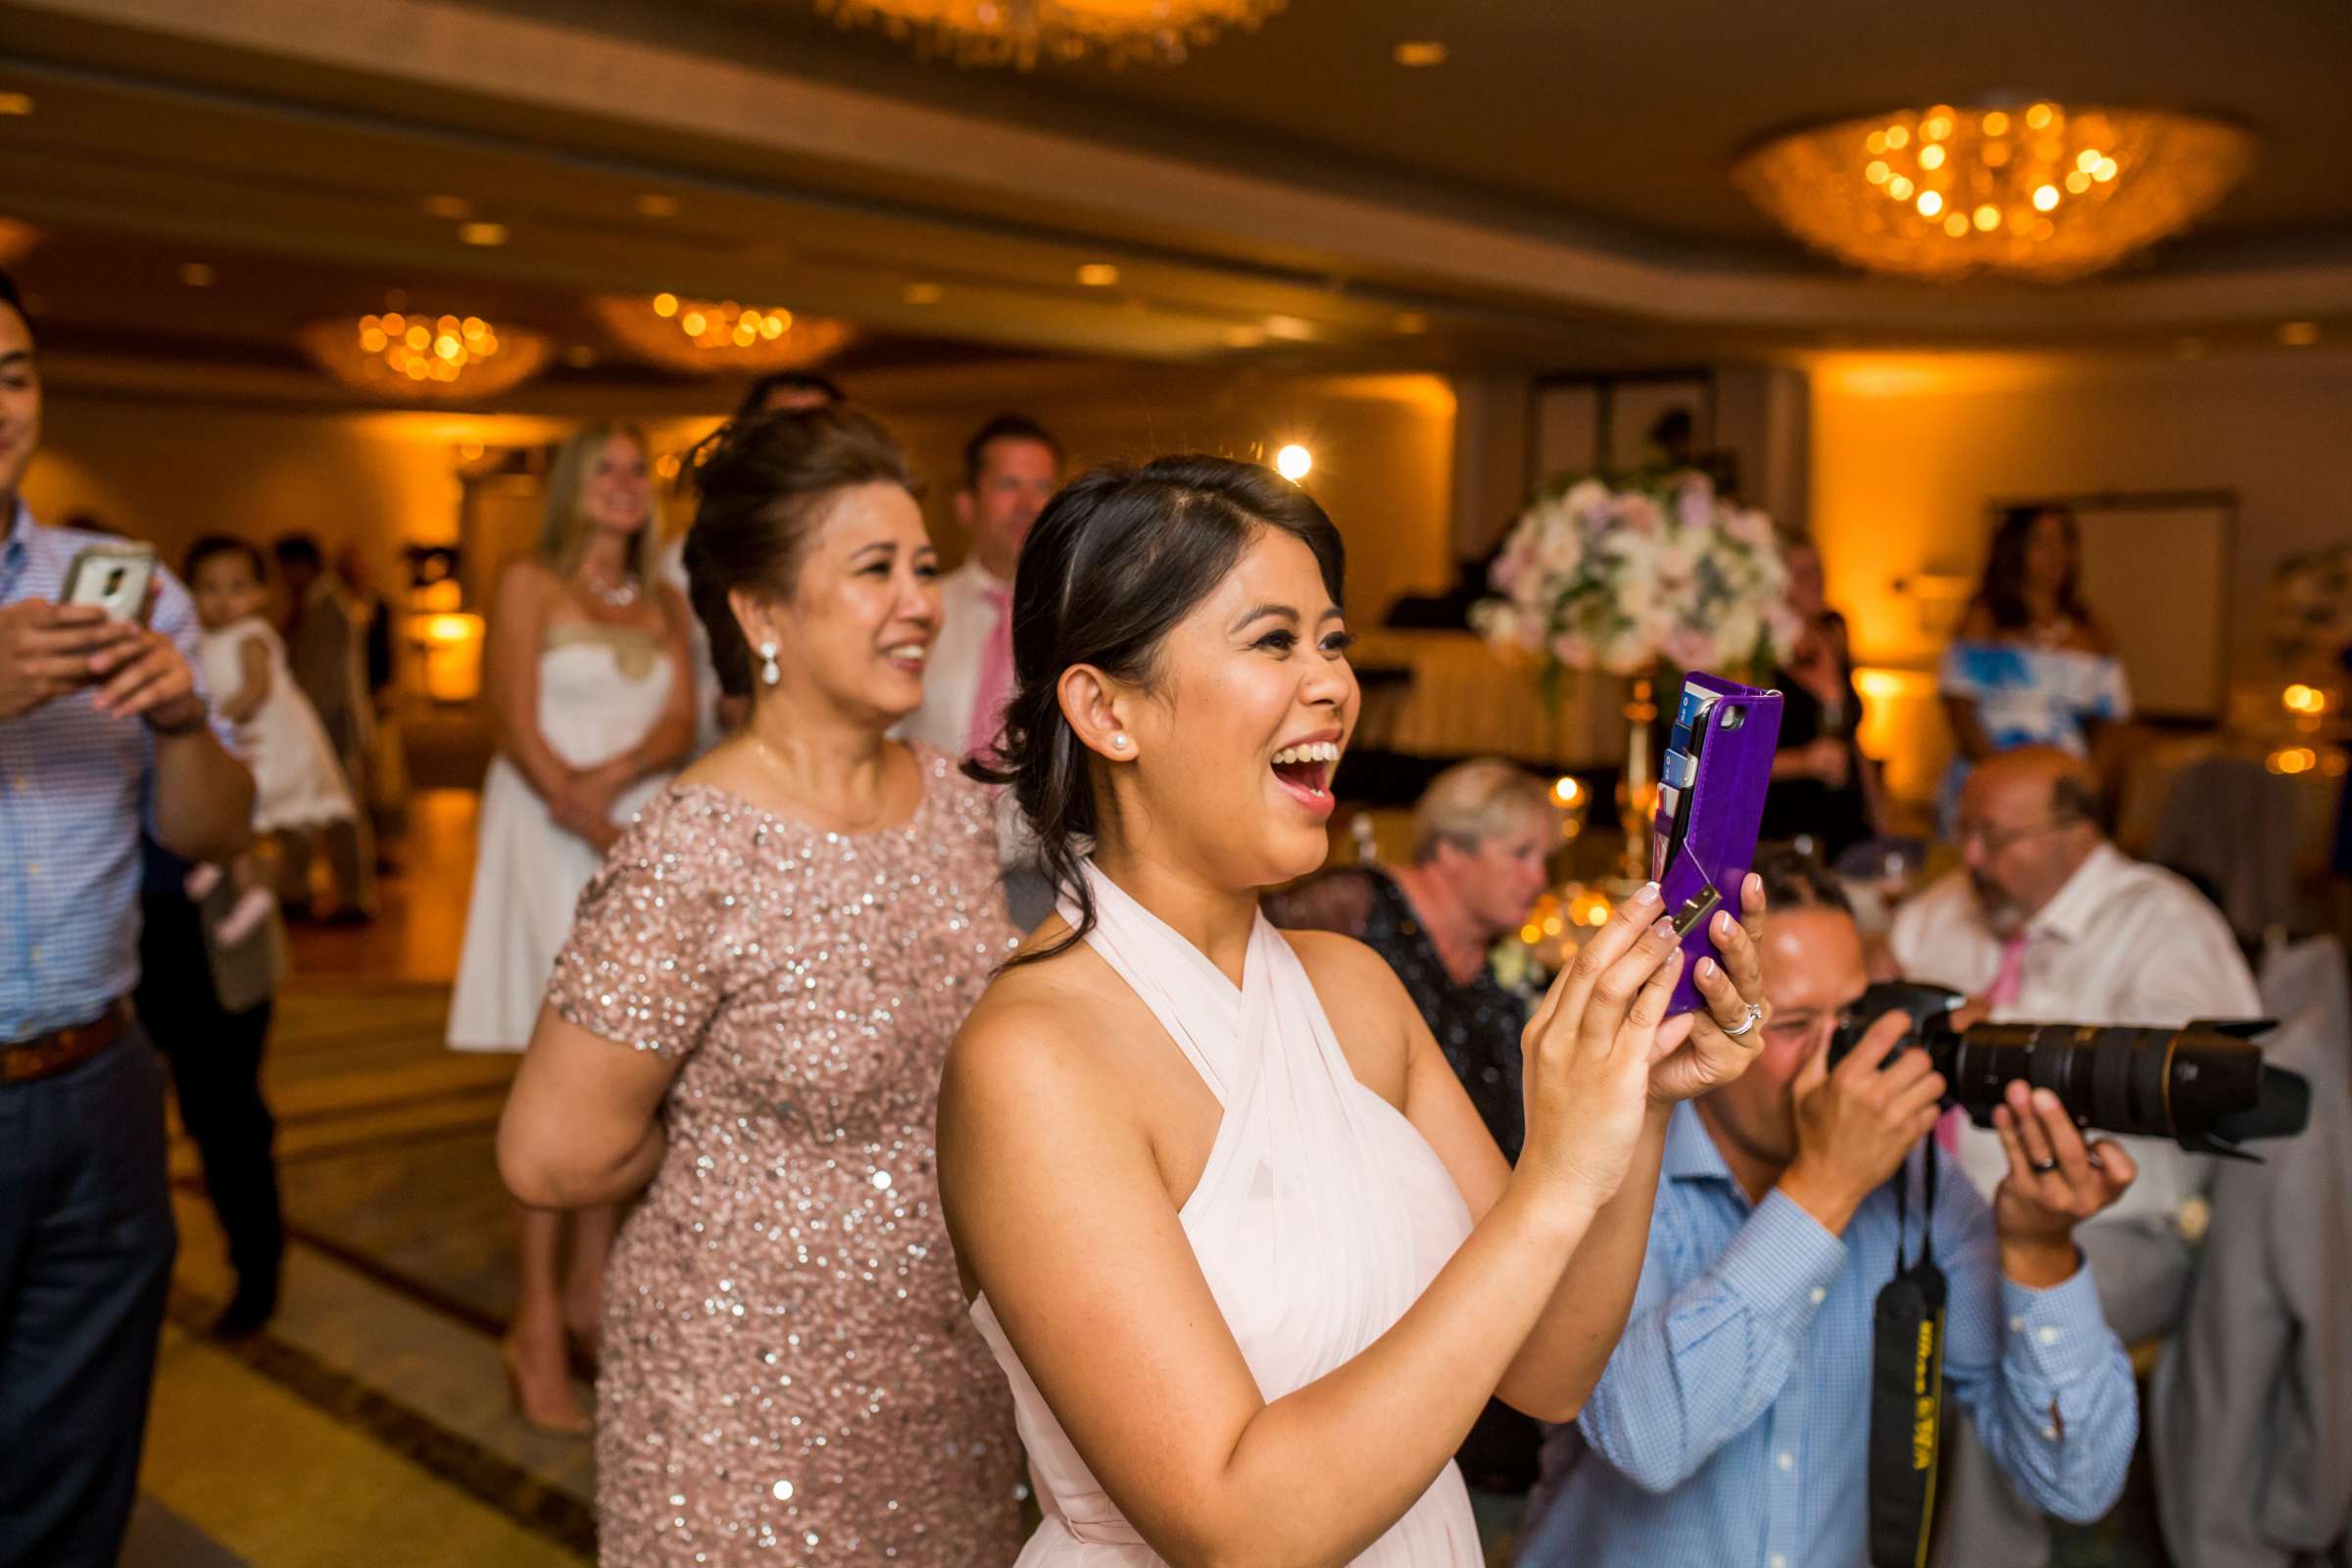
{"type": "Point", "coordinates": [1116, 559]}
{"type": "Point", "coordinates": [764, 484]}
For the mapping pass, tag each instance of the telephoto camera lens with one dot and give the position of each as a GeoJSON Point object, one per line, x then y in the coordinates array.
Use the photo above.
{"type": "Point", "coordinates": [2205, 1086]}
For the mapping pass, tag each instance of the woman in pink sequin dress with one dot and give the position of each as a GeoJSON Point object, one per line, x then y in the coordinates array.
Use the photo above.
{"type": "Point", "coordinates": [788, 937]}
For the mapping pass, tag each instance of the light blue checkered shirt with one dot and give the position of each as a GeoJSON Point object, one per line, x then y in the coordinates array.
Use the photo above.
{"type": "Point", "coordinates": [1731, 1429]}
{"type": "Point", "coordinates": [73, 792]}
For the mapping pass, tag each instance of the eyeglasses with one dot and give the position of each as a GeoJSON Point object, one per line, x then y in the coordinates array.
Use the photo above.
{"type": "Point", "coordinates": [1996, 839]}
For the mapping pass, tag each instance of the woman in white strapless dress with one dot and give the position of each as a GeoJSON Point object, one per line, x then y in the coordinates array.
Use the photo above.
{"type": "Point", "coordinates": [1250, 1259]}
{"type": "Point", "coordinates": [591, 698]}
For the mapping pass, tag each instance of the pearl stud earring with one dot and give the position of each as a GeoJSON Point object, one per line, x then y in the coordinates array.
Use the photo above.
{"type": "Point", "coordinates": [1121, 743]}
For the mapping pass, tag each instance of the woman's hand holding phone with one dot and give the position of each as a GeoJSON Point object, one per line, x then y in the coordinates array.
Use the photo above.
{"type": "Point", "coordinates": [1589, 1049]}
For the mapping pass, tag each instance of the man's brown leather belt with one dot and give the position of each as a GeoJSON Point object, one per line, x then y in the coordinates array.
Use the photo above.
{"type": "Point", "coordinates": [62, 1049]}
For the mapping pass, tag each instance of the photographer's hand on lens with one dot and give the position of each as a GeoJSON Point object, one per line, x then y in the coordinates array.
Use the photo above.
{"type": "Point", "coordinates": [1589, 1049]}
{"type": "Point", "coordinates": [1856, 1123]}
{"type": "Point", "coordinates": [46, 651]}
{"type": "Point", "coordinates": [2054, 1184]}
{"type": "Point", "coordinates": [1734, 993]}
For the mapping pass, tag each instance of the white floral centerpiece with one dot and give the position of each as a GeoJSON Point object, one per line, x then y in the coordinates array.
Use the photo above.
{"type": "Point", "coordinates": [1622, 578]}
{"type": "Point", "coordinates": [1657, 570]}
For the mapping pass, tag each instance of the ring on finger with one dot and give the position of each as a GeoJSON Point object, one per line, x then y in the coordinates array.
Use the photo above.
{"type": "Point", "coordinates": [1755, 1013]}
{"type": "Point", "coordinates": [2042, 1167]}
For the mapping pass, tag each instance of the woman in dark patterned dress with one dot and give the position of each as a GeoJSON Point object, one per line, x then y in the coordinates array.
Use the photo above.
{"type": "Point", "coordinates": [752, 1012]}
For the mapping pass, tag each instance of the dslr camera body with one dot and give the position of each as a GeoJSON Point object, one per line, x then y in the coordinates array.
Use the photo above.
{"type": "Point", "coordinates": [2204, 1087]}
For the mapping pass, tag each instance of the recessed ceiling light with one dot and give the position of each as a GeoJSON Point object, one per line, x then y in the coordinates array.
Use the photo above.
{"type": "Point", "coordinates": [1420, 52]}
{"type": "Point", "coordinates": [16, 103]}
{"type": "Point", "coordinates": [196, 274]}
{"type": "Point", "coordinates": [448, 206]}
{"type": "Point", "coordinates": [2299, 334]}
{"type": "Point", "coordinates": [1294, 463]}
{"type": "Point", "coordinates": [1098, 274]}
{"type": "Point", "coordinates": [1411, 321]}
{"type": "Point", "coordinates": [482, 234]}
{"type": "Point", "coordinates": [653, 204]}
{"type": "Point", "coordinates": [924, 293]}
{"type": "Point", "coordinates": [579, 356]}
{"type": "Point", "coordinates": [1290, 328]}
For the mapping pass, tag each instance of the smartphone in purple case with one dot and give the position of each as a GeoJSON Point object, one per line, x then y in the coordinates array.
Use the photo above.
{"type": "Point", "coordinates": [1710, 805]}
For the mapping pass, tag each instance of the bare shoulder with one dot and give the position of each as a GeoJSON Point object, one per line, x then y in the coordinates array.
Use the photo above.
{"type": "Point", "coordinates": [1368, 1007]}
{"type": "Point", "coordinates": [1334, 959]}
{"type": "Point", "coordinates": [525, 584]}
{"type": "Point", "coordinates": [1032, 1046]}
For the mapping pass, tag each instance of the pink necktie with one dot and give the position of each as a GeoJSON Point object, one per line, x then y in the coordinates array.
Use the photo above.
{"type": "Point", "coordinates": [2008, 983]}
{"type": "Point", "coordinates": [995, 674]}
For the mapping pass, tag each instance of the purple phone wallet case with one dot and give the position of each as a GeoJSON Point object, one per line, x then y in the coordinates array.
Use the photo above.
{"type": "Point", "coordinates": [1710, 805]}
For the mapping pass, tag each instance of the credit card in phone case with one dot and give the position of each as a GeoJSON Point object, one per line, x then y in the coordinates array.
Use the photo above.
{"type": "Point", "coordinates": [1710, 807]}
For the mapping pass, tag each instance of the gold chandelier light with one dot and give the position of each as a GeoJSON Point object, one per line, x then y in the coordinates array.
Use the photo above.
{"type": "Point", "coordinates": [415, 356]}
{"type": "Point", "coordinates": [2037, 191]}
{"type": "Point", "coordinates": [710, 337]}
{"type": "Point", "coordinates": [1021, 32]}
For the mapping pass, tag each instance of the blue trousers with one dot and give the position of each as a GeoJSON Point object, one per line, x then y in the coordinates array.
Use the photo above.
{"type": "Point", "coordinates": [86, 1240]}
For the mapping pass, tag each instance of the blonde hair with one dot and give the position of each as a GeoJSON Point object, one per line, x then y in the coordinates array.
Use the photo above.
{"type": "Point", "coordinates": [564, 532]}
{"type": "Point", "coordinates": [1473, 801]}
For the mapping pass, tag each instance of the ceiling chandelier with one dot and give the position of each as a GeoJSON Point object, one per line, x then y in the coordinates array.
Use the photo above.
{"type": "Point", "coordinates": [2037, 191]}
{"type": "Point", "coordinates": [1021, 32]}
{"type": "Point", "coordinates": [409, 354]}
{"type": "Point", "coordinates": [707, 337]}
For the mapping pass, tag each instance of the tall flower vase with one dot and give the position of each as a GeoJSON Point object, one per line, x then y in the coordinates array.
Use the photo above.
{"type": "Point", "coordinates": [1636, 791]}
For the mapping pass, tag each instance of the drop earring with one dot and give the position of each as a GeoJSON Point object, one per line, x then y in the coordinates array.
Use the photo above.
{"type": "Point", "coordinates": [770, 674]}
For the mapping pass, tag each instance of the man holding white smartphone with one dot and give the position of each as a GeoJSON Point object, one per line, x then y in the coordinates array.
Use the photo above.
{"type": "Point", "coordinates": [103, 728]}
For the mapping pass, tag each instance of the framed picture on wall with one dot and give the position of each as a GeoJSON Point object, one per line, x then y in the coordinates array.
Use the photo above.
{"type": "Point", "coordinates": [1620, 424]}
{"type": "Point", "coordinates": [2156, 573]}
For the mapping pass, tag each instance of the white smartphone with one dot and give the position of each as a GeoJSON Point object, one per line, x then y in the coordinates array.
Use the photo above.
{"type": "Point", "coordinates": [114, 577]}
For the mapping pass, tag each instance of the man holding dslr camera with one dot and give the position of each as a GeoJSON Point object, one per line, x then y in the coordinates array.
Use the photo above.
{"type": "Point", "coordinates": [1733, 1424]}
{"type": "Point", "coordinates": [103, 726]}
{"type": "Point", "coordinates": [2046, 920]}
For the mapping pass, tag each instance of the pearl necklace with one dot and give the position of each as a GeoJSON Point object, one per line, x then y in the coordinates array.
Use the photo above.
{"type": "Point", "coordinates": [620, 596]}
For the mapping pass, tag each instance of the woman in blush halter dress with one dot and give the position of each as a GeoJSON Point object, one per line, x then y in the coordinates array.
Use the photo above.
{"type": "Point", "coordinates": [751, 1012]}
{"type": "Point", "coordinates": [1248, 1257]}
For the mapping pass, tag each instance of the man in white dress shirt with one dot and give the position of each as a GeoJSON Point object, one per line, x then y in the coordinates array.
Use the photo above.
{"type": "Point", "coordinates": [1011, 467]}
{"type": "Point", "coordinates": [2048, 921]}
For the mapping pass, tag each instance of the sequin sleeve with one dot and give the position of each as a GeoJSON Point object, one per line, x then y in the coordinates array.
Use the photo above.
{"type": "Point", "coordinates": [648, 958]}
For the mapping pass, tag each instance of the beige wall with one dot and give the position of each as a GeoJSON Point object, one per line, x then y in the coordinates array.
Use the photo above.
{"type": "Point", "coordinates": [170, 472]}
{"type": "Point", "coordinates": [1907, 451]}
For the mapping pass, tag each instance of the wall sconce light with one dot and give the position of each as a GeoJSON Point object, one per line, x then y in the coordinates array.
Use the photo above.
{"type": "Point", "coordinates": [450, 646]}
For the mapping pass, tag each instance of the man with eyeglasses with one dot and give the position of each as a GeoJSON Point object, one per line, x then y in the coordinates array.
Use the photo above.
{"type": "Point", "coordinates": [2046, 920]}
{"type": "Point", "coordinates": [1733, 1426]}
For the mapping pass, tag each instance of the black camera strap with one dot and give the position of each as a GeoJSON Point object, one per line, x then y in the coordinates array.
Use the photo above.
{"type": "Point", "coordinates": [1906, 1389]}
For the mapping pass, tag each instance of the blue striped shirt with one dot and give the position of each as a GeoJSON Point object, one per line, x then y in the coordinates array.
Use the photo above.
{"type": "Point", "coordinates": [1732, 1425]}
{"type": "Point", "coordinates": [74, 787]}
